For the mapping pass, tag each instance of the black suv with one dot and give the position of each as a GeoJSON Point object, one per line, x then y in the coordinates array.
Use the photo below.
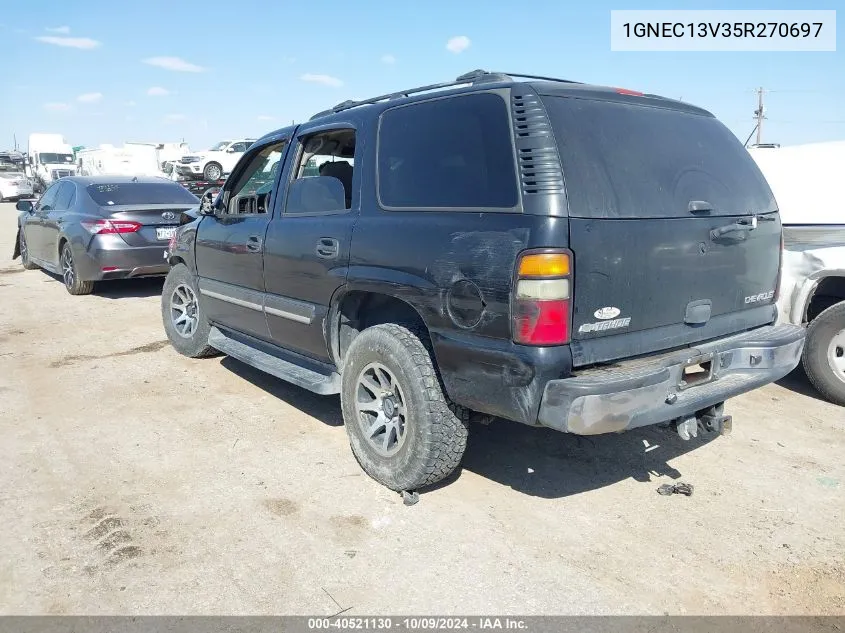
{"type": "Point", "coordinates": [583, 258]}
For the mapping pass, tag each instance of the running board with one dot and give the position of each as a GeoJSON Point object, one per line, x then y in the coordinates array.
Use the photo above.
{"type": "Point", "coordinates": [296, 374]}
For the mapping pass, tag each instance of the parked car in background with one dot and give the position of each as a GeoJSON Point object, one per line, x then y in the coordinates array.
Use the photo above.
{"type": "Point", "coordinates": [806, 180]}
{"type": "Point", "coordinates": [582, 258]}
{"type": "Point", "coordinates": [14, 183]}
{"type": "Point", "coordinates": [90, 229]}
{"type": "Point", "coordinates": [214, 163]}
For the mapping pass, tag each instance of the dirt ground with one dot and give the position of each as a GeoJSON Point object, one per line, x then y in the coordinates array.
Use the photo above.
{"type": "Point", "coordinates": [136, 481]}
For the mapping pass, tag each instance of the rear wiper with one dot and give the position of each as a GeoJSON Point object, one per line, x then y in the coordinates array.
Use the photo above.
{"type": "Point", "coordinates": [740, 225]}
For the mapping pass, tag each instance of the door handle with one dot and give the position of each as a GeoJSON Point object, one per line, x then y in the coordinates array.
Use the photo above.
{"type": "Point", "coordinates": [253, 244]}
{"type": "Point", "coordinates": [740, 225]}
{"type": "Point", "coordinates": [327, 247]}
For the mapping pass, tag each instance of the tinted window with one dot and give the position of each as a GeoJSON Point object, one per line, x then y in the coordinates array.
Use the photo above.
{"type": "Point", "coordinates": [64, 198]}
{"type": "Point", "coordinates": [622, 161]}
{"type": "Point", "coordinates": [46, 201]}
{"type": "Point", "coordinates": [453, 152]}
{"type": "Point", "coordinates": [140, 193]}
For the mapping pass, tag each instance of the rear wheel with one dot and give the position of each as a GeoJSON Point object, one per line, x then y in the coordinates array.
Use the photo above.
{"type": "Point", "coordinates": [824, 353]}
{"type": "Point", "coordinates": [213, 171]}
{"type": "Point", "coordinates": [70, 276]}
{"type": "Point", "coordinates": [402, 429]}
{"type": "Point", "coordinates": [186, 326]}
{"type": "Point", "coordinates": [25, 261]}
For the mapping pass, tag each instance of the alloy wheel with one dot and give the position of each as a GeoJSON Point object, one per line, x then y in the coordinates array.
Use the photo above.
{"type": "Point", "coordinates": [184, 310]}
{"type": "Point", "coordinates": [68, 274]}
{"type": "Point", "coordinates": [381, 407]}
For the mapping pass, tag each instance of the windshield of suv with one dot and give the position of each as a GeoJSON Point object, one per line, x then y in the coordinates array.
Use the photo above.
{"type": "Point", "coordinates": [45, 158]}
{"type": "Point", "coordinates": [219, 146]}
{"type": "Point", "coordinates": [109, 194]}
{"type": "Point", "coordinates": [623, 160]}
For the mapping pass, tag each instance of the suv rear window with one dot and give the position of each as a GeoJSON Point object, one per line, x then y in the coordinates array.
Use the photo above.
{"type": "Point", "coordinates": [624, 160]}
{"type": "Point", "coordinates": [447, 153]}
{"type": "Point", "coordinates": [108, 194]}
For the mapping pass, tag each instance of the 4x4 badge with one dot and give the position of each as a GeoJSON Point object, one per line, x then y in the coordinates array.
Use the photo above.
{"type": "Point", "coordinates": [607, 313]}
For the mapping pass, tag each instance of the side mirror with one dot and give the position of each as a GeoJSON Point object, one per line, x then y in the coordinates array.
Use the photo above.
{"type": "Point", "coordinates": [230, 150]}
{"type": "Point", "coordinates": [25, 205]}
{"type": "Point", "coordinates": [207, 203]}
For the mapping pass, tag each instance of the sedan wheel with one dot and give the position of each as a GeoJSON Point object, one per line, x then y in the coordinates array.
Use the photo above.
{"type": "Point", "coordinates": [73, 283]}
{"type": "Point", "coordinates": [24, 249]}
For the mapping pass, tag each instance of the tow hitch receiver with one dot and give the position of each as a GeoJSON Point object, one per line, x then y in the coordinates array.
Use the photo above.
{"type": "Point", "coordinates": [711, 420]}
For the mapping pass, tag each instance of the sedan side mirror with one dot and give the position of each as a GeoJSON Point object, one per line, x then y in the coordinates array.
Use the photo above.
{"type": "Point", "coordinates": [230, 150]}
{"type": "Point", "coordinates": [25, 205]}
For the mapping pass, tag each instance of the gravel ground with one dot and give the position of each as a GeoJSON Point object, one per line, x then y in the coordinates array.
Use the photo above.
{"type": "Point", "coordinates": [137, 481]}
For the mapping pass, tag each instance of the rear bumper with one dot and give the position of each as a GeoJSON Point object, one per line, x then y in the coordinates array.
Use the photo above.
{"type": "Point", "coordinates": [121, 260]}
{"type": "Point", "coordinates": [650, 390]}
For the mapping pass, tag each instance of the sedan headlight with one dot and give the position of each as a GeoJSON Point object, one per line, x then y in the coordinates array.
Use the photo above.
{"type": "Point", "coordinates": [190, 159]}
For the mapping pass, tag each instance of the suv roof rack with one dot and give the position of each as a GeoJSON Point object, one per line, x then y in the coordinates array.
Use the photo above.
{"type": "Point", "coordinates": [473, 77]}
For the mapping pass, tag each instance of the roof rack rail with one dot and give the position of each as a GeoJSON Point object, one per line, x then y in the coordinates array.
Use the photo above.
{"type": "Point", "coordinates": [473, 77]}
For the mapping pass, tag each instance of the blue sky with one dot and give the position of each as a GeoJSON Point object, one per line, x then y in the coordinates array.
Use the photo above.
{"type": "Point", "coordinates": [203, 71]}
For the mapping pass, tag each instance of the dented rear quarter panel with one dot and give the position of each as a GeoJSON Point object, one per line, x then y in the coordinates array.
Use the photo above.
{"type": "Point", "coordinates": [456, 270]}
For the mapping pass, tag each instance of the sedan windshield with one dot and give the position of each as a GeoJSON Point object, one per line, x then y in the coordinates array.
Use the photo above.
{"type": "Point", "coordinates": [55, 158]}
{"type": "Point", "coordinates": [219, 146]}
{"type": "Point", "coordinates": [111, 194]}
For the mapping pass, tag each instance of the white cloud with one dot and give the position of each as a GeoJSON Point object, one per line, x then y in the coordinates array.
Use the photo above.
{"type": "Point", "coordinates": [90, 97]}
{"type": "Point", "coordinates": [71, 42]}
{"type": "Point", "coordinates": [388, 59]}
{"type": "Point", "coordinates": [130, 104]}
{"type": "Point", "coordinates": [326, 80]}
{"type": "Point", "coordinates": [175, 117]}
{"type": "Point", "coordinates": [174, 63]}
{"type": "Point", "coordinates": [57, 107]}
{"type": "Point", "coordinates": [265, 117]}
{"type": "Point", "coordinates": [58, 29]}
{"type": "Point", "coordinates": [458, 44]}
{"type": "Point", "coordinates": [157, 91]}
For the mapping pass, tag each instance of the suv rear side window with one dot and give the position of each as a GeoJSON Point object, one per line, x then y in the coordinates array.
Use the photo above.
{"type": "Point", "coordinates": [623, 160]}
{"type": "Point", "coordinates": [447, 153]}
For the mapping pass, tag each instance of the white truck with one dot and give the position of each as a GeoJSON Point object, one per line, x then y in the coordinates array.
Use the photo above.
{"type": "Point", "coordinates": [49, 158]}
{"type": "Point", "coordinates": [806, 182]}
{"type": "Point", "coordinates": [214, 163]}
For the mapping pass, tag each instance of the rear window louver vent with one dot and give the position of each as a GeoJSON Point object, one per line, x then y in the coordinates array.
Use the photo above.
{"type": "Point", "coordinates": [539, 164]}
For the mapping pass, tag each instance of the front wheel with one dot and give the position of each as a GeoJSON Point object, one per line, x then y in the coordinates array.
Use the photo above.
{"type": "Point", "coordinates": [70, 276]}
{"type": "Point", "coordinates": [824, 353]}
{"type": "Point", "coordinates": [185, 324]}
{"type": "Point", "coordinates": [24, 250]}
{"type": "Point", "coordinates": [402, 429]}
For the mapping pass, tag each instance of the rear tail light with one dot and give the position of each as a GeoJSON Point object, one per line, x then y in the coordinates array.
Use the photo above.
{"type": "Point", "coordinates": [103, 227]}
{"type": "Point", "coordinates": [542, 298]}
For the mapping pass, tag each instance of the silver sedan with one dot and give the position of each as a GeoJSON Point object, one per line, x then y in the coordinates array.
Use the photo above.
{"type": "Point", "coordinates": [90, 229]}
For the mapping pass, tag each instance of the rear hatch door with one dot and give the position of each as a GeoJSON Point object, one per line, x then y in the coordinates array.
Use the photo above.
{"type": "Point", "coordinates": [675, 232]}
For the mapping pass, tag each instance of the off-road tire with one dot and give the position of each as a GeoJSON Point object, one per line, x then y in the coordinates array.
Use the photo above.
{"type": "Point", "coordinates": [78, 286]}
{"type": "Point", "coordinates": [206, 175]}
{"type": "Point", "coordinates": [820, 332]}
{"type": "Point", "coordinates": [436, 430]}
{"type": "Point", "coordinates": [195, 346]}
{"type": "Point", "coordinates": [25, 261]}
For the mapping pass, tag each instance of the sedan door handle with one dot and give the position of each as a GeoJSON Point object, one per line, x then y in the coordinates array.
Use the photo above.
{"type": "Point", "coordinates": [327, 247]}
{"type": "Point", "coordinates": [253, 244]}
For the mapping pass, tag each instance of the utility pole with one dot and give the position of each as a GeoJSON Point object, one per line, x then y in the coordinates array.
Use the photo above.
{"type": "Point", "coordinates": [759, 115]}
